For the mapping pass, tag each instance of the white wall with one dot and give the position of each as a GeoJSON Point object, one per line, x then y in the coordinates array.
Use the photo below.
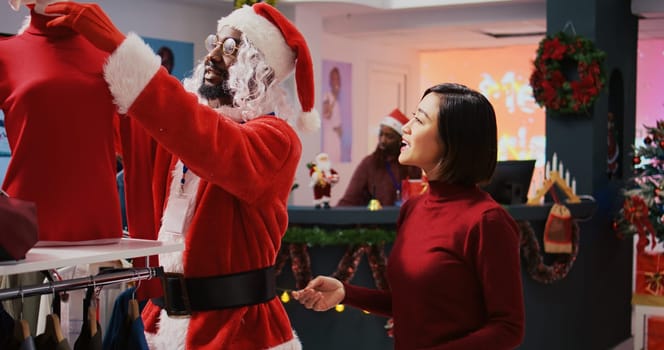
{"type": "Point", "coordinates": [163, 19]}
{"type": "Point", "coordinates": [192, 22]}
{"type": "Point", "coordinates": [361, 56]}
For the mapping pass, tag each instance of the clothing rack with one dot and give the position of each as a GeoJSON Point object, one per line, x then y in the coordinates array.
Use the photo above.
{"type": "Point", "coordinates": [100, 280]}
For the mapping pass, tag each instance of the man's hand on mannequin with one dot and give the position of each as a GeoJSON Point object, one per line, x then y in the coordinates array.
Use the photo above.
{"type": "Point", "coordinates": [89, 20]}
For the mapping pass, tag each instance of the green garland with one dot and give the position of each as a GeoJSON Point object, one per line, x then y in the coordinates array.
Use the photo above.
{"type": "Point", "coordinates": [316, 236]}
{"type": "Point", "coordinates": [240, 3]}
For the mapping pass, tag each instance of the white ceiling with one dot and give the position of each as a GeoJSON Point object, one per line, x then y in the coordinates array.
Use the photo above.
{"type": "Point", "coordinates": [429, 25]}
{"type": "Point", "coordinates": [444, 24]}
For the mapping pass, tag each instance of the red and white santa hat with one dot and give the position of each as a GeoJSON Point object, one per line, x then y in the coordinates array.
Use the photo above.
{"type": "Point", "coordinates": [395, 120]}
{"type": "Point", "coordinates": [284, 48]}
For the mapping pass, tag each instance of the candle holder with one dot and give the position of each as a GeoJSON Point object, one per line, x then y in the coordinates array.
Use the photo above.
{"type": "Point", "coordinates": [553, 175]}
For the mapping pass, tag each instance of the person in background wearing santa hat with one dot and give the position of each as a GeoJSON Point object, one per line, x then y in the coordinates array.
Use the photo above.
{"type": "Point", "coordinates": [454, 269]}
{"type": "Point", "coordinates": [379, 175]}
{"type": "Point", "coordinates": [222, 172]}
{"type": "Point", "coordinates": [323, 177]}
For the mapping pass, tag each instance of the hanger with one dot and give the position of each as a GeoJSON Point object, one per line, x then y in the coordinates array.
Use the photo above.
{"type": "Point", "coordinates": [92, 319]}
{"type": "Point", "coordinates": [53, 329]}
{"type": "Point", "coordinates": [21, 326]}
{"type": "Point", "coordinates": [92, 308]}
{"type": "Point", "coordinates": [133, 312]}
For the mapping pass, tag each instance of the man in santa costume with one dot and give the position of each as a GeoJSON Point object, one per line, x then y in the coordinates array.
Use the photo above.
{"type": "Point", "coordinates": [222, 172]}
{"type": "Point", "coordinates": [322, 178]}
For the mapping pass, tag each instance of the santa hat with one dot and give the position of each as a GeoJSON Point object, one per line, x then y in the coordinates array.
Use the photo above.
{"type": "Point", "coordinates": [284, 49]}
{"type": "Point", "coordinates": [395, 120]}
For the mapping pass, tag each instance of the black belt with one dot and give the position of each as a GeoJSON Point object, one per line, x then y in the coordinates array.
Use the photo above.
{"type": "Point", "coordinates": [184, 295]}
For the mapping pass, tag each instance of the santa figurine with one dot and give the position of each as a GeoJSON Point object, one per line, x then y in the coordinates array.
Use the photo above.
{"type": "Point", "coordinates": [322, 178]}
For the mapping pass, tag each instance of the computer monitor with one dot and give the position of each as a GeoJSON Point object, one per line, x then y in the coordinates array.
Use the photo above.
{"type": "Point", "coordinates": [510, 181]}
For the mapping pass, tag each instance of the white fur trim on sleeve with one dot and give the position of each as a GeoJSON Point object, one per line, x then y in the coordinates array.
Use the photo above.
{"type": "Point", "coordinates": [129, 70]}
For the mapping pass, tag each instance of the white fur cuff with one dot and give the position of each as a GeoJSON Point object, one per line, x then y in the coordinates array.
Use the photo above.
{"type": "Point", "coordinates": [129, 69]}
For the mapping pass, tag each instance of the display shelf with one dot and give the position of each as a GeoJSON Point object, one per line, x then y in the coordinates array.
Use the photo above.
{"type": "Point", "coordinates": [44, 258]}
{"type": "Point", "coordinates": [308, 215]}
{"type": "Point", "coordinates": [343, 216]}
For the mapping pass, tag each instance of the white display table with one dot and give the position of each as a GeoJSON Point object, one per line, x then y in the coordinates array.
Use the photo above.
{"type": "Point", "coordinates": [44, 258]}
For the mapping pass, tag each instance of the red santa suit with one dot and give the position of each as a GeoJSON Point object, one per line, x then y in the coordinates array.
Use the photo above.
{"type": "Point", "coordinates": [59, 119]}
{"type": "Point", "coordinates": [226, 190]}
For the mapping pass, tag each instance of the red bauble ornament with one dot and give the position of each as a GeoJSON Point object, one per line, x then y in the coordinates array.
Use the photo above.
{"type": "Point", "coordinates": [661, 143]}
{"type": "Point", "coordinates": [636, 160]}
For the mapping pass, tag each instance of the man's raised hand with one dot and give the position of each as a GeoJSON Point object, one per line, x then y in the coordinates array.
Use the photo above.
{"type": "Point", "coordinates": [89, 20]}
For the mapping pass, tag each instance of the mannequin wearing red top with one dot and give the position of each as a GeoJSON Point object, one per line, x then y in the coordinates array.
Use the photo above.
{"type": "Point", "coordinates": [59, 118]}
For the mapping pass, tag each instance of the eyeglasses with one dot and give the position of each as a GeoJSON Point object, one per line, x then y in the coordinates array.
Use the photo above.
{"type": "Point", "coordinates": [229, 45]}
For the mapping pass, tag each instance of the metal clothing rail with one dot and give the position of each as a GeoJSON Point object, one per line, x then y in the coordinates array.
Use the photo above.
{"type": "Point", "coordinates": [100, 280]}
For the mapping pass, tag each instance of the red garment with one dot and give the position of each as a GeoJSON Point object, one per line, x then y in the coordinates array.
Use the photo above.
{"type": "Point", "coordinates": [453, 272]}
{"type": "Point", "coordinates": [372, 181]}
{"type": "Point", "coordinates": [59, 118]}
{"type": "Point", "coordinates": [246, 172]}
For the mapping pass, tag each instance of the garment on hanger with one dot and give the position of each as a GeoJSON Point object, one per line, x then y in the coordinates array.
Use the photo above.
{"type": "Point", "coordinates": [90, 336]}
{"type": "Point", "coordinates": [52, 338]}
{"type": "Point", "coordinates": [28, 344]}
{"type": "Point", "coordinates": [22, 336]}
{"type": "Point", "coordinates": [72, 309]}
{"type": "Point", "coordinates": [125, 332]}
{"type": "Point", "coordinates": [30, 305]}
{"type": "Point", "coordinates": [14, 335]}
{"type": "Point", "coordinates": [6, 327]}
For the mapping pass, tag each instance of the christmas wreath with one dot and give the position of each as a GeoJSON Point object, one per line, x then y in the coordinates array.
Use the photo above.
{"type": "Point", "coordinates": [568, 74]}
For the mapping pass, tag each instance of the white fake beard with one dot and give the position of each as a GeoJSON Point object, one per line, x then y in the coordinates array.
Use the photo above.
{"type": "Point", "coordinates": [231, 113]}
{"type": "Point", "coordinates": [325, 167]}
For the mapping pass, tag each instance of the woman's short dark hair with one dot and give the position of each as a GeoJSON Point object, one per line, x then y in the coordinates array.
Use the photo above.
{"type": "Point", "coordinates": [467, 128]}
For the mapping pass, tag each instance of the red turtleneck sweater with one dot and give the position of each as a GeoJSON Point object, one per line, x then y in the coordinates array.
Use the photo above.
{"type": "Point", "coordinates": [59, 119]}
{"type": "Point", "coordinates": [454, 274]}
